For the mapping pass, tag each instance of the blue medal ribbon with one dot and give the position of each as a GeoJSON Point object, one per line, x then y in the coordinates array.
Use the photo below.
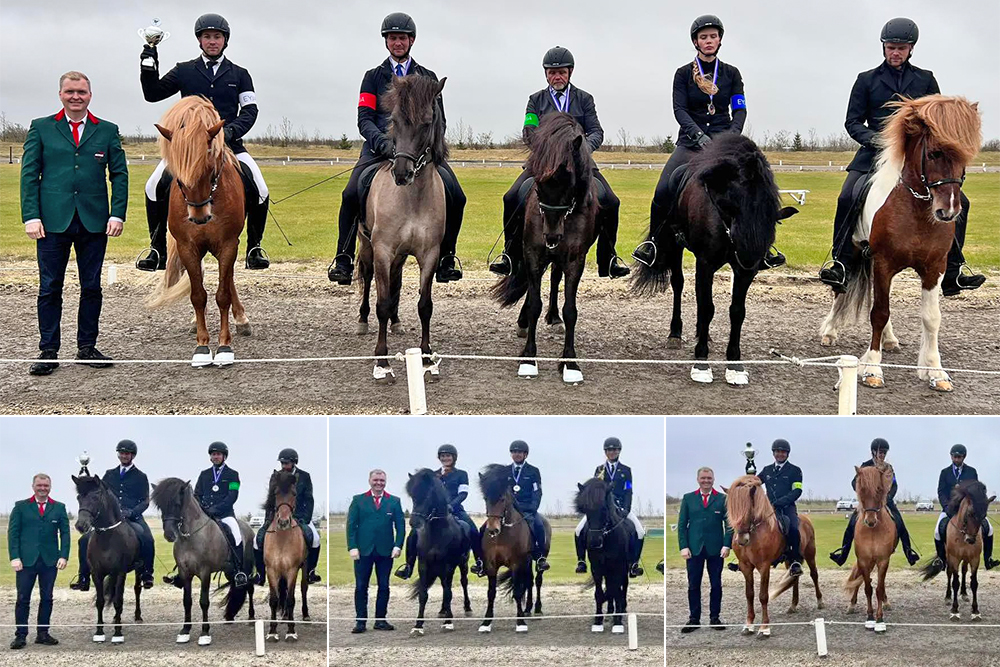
{"type": "Point", "coordinates": [216, 476]}
{"type": "Point", "coordinates": [565, 101]}
{"type": "Point", "coordinates": [715, 77]}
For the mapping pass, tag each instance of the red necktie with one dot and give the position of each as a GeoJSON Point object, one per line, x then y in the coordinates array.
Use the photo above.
{"type": "Point", "coordinates": [41, 509]}
{"type": "Point", "coordinates": [76, 130]}
{"type": "Point", "coordinates": [378, 502]}
{"type": "Point", "coordinates": [704, 500]}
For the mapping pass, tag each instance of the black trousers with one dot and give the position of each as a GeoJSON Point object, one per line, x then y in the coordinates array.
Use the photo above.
{"type": "Point", "coordinates": [696, 566]}
{"type": "Point", "coordinates": [362, 578]}
{"type": "Point", "coordinates": [793, 538]}
{"type": "Point", "coordinates": [350, 207]}
{"type": "Point", "coordinates": [662, 196]}
{"type": "Point", "coordinates": [25, 580]}
{"type": "Point", "coordinates": [843, 228]}
{"type": "Point", "coordinates": [53, 256]}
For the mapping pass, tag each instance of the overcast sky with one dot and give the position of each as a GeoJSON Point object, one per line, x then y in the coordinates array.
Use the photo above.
{"type": "Point", "coordinates": [828, 448]}
{"type": "Point", "coordinates": [564, 449]}
{"type": "Point", "coordinates": [798, 59]}
{"type": "Point", "coordinates": [168, 447]}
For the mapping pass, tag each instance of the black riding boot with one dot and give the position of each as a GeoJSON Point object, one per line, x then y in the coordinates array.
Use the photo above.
{"type": "Point", "coordinates": [988, 550]}
{"type": "Point", "coordinates": [955, 279]}
{"type": "Point", "coordinates": [635, 570]}
{"type": "Point", "coordinates": [405, 571]}
{"type": "Point", "coordinates": [447, 269]}
{"type": "Point", "coordinates": [478, 568]}
{"type": "Point", "coordinates": [156, 220]}
{"type": "Point", "coordinates": [311, 564]}
{"type": "Point", "coordinates": [146, 550]}
{"type": "Point", "coordinates": [581, 552]}
{"type": "Point", "coordinates": [942, 556]}
{"type": "Point", "coordinates": [904, 539]}
{"type": "Point", "coordinates": [794, 552]}
{"type": "Point", "coordinates": [840, 556]}
{"type": "Point", "coordinates": [260, 578]}
{"type": "Point", "coordinates": [82, 582]}
{"type": "Point", "coordinates": [256, 221]}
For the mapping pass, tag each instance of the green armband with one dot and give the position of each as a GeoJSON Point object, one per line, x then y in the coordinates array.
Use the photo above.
{"type": "Point", "coordinates": [797, 485]}
{"type": "Point", "coordinates": [235, 486]}
{"type": "Point", "coordinates": [531, 119]}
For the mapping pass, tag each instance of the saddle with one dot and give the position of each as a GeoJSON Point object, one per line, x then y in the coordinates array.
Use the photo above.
{"type": "Point", "coordinates": [676, 183]}
{"type": "Point", "coordinates": [858, 196]}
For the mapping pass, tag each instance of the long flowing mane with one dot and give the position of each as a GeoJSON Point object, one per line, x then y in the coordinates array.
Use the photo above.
{"type": "Point", "coordinates": [591, 497]}
{"type": "Point", "coordinates": [975, 492]}
{"type": "Point", "coordinates": [282, 482]}
{"type": "Point", "coordinates": [166, 494]}
{"type": "Point", "coordinates": [493, 482]}
{"type": "Point", "coordinates": [747, 501]}
{"type": "Point", "coordinates": [425, 487]}
{"type": "Point", "coordinates": [408, 100]}
{"type": "Point", "coordinates": [552, 147]}
{"type": "Point", "coordinates": [869, 482]}
{"type": "Point", "coordinates": [185, 154]}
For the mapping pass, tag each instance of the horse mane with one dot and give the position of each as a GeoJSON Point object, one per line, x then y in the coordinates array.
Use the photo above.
{"type": "Point", "coordinates": [424, 485]}
{"type": "Point", "coordinates": [166, 491]}
{"type": "Point", "coordinates": [741, 507]}
{"type": "Point", "coordinates": [552, 147]}
{"type": "Point", "coordinates": [591, 497]}
{"type": "Point", "coordinates": [952, 121]}
{"type": "Point", "coordinates": [87, 483]}
{"type": "Point", "coordinates": [282, 481]}
{"type": "Point", "coordinates": [408, 99]}
{"type": "Point", "coordinates": [184, 153]}
{"type": "Point", "coordinates": [493, 482]}
{"type": "Point", "coordinates": [975, 492]}
{"type": "Point", "coordinates": [869, 481]}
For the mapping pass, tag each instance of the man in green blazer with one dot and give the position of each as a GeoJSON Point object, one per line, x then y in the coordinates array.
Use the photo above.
{"type": "Point", "coordinates": [705, 538]}
{"type": "Point", "coordinates": [38, 542]}
{"type": "Point", "coordinates": [375, 532]}
{"type": "Point", "coordinates": [67, 160]}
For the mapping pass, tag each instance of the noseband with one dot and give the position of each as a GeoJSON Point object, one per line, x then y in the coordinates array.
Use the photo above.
{"type": "Point", "coordinates": [923, 177]}
{"type": "Point", "coordinates": [211, 194]}
{"type": "Point", "coordinates": [419, 161]}
{"type": "Point", "coordinates": [93, 518]}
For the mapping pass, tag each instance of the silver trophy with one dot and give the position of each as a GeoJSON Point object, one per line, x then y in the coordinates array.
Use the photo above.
{"type": "Point", "coordinates": [749, 452]}
{"type": "Point", "coordinates": [153, 35]}
{"type": "Point", "coordinates": [83, 460]}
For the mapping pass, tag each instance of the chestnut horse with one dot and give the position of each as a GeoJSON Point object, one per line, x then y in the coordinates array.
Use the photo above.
{"type": "Point", "coordinates": [758, 542]}
{"type": "Point", "coordinates": [874, 539]}
{"type": "Point", "coordinates": [908, 221]}
{"type": "Point", "coordinates": [206, 216]}
{"type": "Point", "coordinates": [284, 554]}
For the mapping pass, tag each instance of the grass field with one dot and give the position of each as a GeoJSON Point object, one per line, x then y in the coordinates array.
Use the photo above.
{"type": "Point", "coordinates": [830, 532]}
{"type": "Point", "coordinates": [562, 558]}
{"type": "Point", "coordinates": [309, 219]}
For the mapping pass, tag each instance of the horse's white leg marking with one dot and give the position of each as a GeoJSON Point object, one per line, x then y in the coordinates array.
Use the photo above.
{"type": "Point", "coordinates": [930, 315]}
{"type": "Point", "coordinates": [889, 341]}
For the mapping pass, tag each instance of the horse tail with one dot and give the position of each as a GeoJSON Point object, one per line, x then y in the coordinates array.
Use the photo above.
{"type": "Point", "coordinates": [175, 284]}
{"type": "Point", "coordinates": [282, 588]}
{"type": "Point", "coordinates": [509, 290]}
{"type": "Point", "coordinates": [233, 600]}
{"type": "Point", "coordinates": [932, 569]}
{"type": "Point", "coordinates": [783, 586]}
{"type": "Point", "coordinates": [857, 300]}
{"type": "Point", "coordinates": [855, 580]}
{"type": "Point", "coordinates": [505, 582]}
{"type": "Point", "coordinates": [654, 279]}
{"type": "Point", "coordinates": [417, 588]}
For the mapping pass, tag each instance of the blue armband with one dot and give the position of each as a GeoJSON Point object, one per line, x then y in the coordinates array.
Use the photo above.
{"type": "Point", "coordinates": [738, 102]}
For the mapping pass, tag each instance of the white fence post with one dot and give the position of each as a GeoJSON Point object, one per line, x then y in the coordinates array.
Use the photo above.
{"type": "Point", "coordinates": [820, 637]}
{"type": "Point", "coordinates": [633, 632]}
{"type": "Point", "coordinates": [415, 381]}
{"type": "Point", "coordinates": [848, 395]}
{"type": "Point", "coordinates": [258, 634]}
{"type": "Point", "coordinates": [112, 274]}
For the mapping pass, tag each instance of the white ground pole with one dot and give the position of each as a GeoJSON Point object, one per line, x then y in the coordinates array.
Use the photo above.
{"type": "Point", "coordinates": [820, 625]}
{"type": "Point", "coordinates": [633, 631]}
{"type": "Point", "coordinates": [258, 634]}
{"type": "Point", "coordinates": [848, 388]}
{"type": "Point", "coordinates": [415, 381]}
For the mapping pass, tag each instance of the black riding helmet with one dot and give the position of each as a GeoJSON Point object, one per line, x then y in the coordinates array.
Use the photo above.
{"type": "Point", "coordinates": [127, 446]}
{"type": "Point", "coordinates": [781, 445]}
{"type": "Point", "coordinates": [519, 446]}
{"type": "Point", "coordinates": [448, 449]}
{"type": "Point", "coordinates": [558, 56]}
{"type": "Point", "coordinates": [880, 445]}
{"type": "Point", "coordinates": [399, 22]}
{"type": "Point", "coordinates": [211, 22]}
{"type": "Point", "coordinates": [218, 447]}
{"type": "Point", "coordinates": [612, 443]}
{"type": "Point", "coordinates": [960, 450]}
{"type": "Point", "coordinates": [288, 455]}
{"type": "Point", "coordinates": [900, 31]}
{"type": "Point", "coordinates": [706, 21]}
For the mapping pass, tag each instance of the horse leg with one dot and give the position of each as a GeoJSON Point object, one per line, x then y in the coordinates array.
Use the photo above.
{"type": "Point", "coordinates": [947, 588]}
{"type": "Point", "coordinates": [974, 584]}
{"type": "Point", "coordinates": [534, 305]}
{"type": "Point", "coordinates": [598, 625]}
{"type": "Point", "coordinates": [422, 595]}
{"type": "Point", "coordinates": [828, 329]}
{"type": "Point", "coordinates": [794, 608]}
{"type": "Point", "coordinates": [425, 307]}
{"type": "Point", "coordinates": [137, 589]}
{"type": "Point", "coordinates": [367, 271]}
{"type": "Point", "coordinates": [206, 636]}
{"type": "Point", "coordinates": [538, 597]}
{"type": "Point", "coordinates": [273, 600]}
{"type": "Point", "coordinates": [889, 341]}
{"type": "Point", "coordinates": [491, 596]}
{"type": "Point", "coordinates": [677, 287]}
{"type": "Point", "coordinates": [571, 370]}
{"type": "Point", "coordinates": [852, 606]}
{"type": "Point", "coordinates": [883, 568]}
{"type": "Point", "coordinates": [930, 316]}
{"type": "Point", "coordinates": [814, 573]}
{"type": "Point", "coordinates": [99, 599]}
{"type": "Point", "coordinates": [383, 308]}
{"type": "Point", "coordinates": [965, 572]}
{"type": "Point", "coordinates": [764, 595]}
{"type": "Point", "coordinates": [395, 291]}
{"type": "Point", "coordinates": [118, 600]}
{"type": "Point", "coordinates": [736, 374]}
{"type": "Point", "coordinates": [199, 299]}
{"type": "Point", "coordinates": [243, 327]}
{"type": "Point", "coordinates": [529, 594]}
{"type": "Point", "coordinates": [304, 590]}
{"type": "Point", "coordinates": [881, 283]}
{"type": "Point", "coordinates": [446, 596]}
{"type": "Point", "coordinates": [748, 627]}
{"type": "Point", "coordinates": [552, 314]}
{"type": "Point", "coordinates": [706, 311]}
{"type": "Point", "coordinates": [185, 634]}
{"type": "Point", "coordinates": [522, 574]}
{"type": "Point", "coordinates": [290, 634]}
{"type": "Point", "coordinates": [224, 300]}
{"type": "Point", "coordinates": [463, 572]}
{"type": "Point", "coordinates": [955, 616]}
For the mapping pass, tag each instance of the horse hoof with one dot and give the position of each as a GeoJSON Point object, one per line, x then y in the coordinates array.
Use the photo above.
{"type": "Point", "coordinates": [747, 630]}
{"type": "Point", "coordinates": [99, 639]}
{"type": "Point", "coordinates": [873, 381]}
{"type": "Point", "coordinates": [522, 332]}
{"type": "Point", "coordinates": [181, 639]}
{"type": "Point", "coordinates": [204, 640]}
{"type": "Point", "coordinates": [792, 610]}
{"type": "Point", "coordinates": [702, 375]}
{"type": "Point", "coordinates": [292, 637]}
{"type": "Point", "coordinates": [572, 376]}
{"type": "Point", "coordinates": [675, 343]}
{"type": "Point", "coordinates": [521, 628]}
{"type": "Point", "coordinates": [527, 371]}
{"type": "Point", "coordinates": [416, 632]}
{"type": "Point", "coordinates": [852, 609]}
{"type": "Point", "coordinates": [383, 375]}
{"type": "Point", "coordinates": [362, 328]}
{"type": "Point", "coordinates": [870, 624]}
{"type": "Point", "coordinates": [737, 378]}
{"type": "Point", "coordinates": [955, 617]}
{"type": "Point", "coordinates": [433, 372]}
{"type": "Point", "coordinates": [820, 604]}
{"type": "Point", "coordinates": [202, 357]}
{"type": "Point", "coordinates": [597, 628]}
{"type": "Point", "coordinates": [965, 597]}
{"type": "Point", "coordinates": [118, 639]}
{"type": "Point", "coordinates": [556, 328]}
{"type": "Point", "coordinates": [944, 385]}
{"type": "Point", "coordinates": [977, 617]}
{"type": "Point", "coordinates": [879, 627]}
{"type": "Point", "coordinates": [273, 637]}
{"type": "Point", "coordinates": [224, 356]}
{"type": "Point", "coordinates": [486, 628]}
{"type": "Point", "coordinates": [448, 627]}
{"type": "Point", "coordinates": [618, 629]}
{"type": "Point", "coordinates": [828, 340]}
{"type": "Point", "coordinates": [891, 346]}
{"type": "Point", "coordinates": [244, 329]}
{"type": "Point", "coordinates": [764, 634]}
{"type": "Point", "coordinates": [396, 328]}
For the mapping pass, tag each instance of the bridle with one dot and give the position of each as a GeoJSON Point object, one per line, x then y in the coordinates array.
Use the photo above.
{"type": "Point", "coordinates": [607, 528]}
{"type": "Point", "coordinates": [179, 521]}
{"type": "Point", "coordinates": [923, 176]}
{"type": "Point", "coordinates": [211, 194]}
{"type": "Point", "coordinates": [504, 518]}
{"type": "Point", "coordinates": [419, 161]}
{"type": "Point", "coordinates": [292, 523]}
{"type": "Point", "coordinates": [93, 518]}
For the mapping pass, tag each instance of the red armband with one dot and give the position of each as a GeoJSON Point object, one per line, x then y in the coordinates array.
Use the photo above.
{"type": "Point", "coordinates": [367, 100]}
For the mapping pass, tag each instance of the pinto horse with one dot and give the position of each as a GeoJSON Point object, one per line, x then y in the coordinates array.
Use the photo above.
{"type": "Point", "coordinates": [284, 554]}
{"type": "Point", "coordinates": [559, 228]}
{"type": "Point", "coordinates": [726, 212]}
{"type": "Point", "coordinates": [758, 542]}
{"type": "Point", "coordinates": [874, 540]}
{"type": "Point", "coordinates": [908, 221]}
{"type": "Point", "coordinates": [206, 216]}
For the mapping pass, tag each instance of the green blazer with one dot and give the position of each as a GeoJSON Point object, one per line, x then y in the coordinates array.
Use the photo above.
{"type": "Point", "coordinates": [32, 537]}
{"type": "Point", "coordinates": [704, 528]}
{"type": "Point", "coordinates": [375, 530]}
{"type": "Point", "coordinates": [59, 178]}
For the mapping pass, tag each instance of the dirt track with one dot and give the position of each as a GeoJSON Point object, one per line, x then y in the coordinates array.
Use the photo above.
{"type": "Point", "coordinates": [308, 317]}
{"type": "Point", "coordinates": [912, 602]}
{"type": "Point", "coordinates": [155, 645]}
{"type": "Point", "coordinates": [549, 641]}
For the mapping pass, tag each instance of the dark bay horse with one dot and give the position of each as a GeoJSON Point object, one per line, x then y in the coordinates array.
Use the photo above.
{"type": "Point", "coordinates": [112, 552]}
{"type": "Point", "coordinates": [607, 550]}
{"type": "Point", "coordinates": [443, 544]}
{"type": "Point", "coordinates": [725, 213]}
{"type": "Point", "coordinates": [908, 221]}
{"type": "Point", "coordinates": [559, 228]}
{"type": "Point", "coordinates": [405, 214]}
{"type": "Point", "coordinates": [284, 554]}
{"type": "Point", "coordinates": [963, 543]}
{"type": "Point", "coordinates": [874, 540]}
{"type": "Point", "coordinates": [758, 542]}
{"type": "Point", "coordinates": [507, 542]}
{"type": "Point", "coordinates": [206, 216]}
{"type": "Point", "coordinates": [200, 550]}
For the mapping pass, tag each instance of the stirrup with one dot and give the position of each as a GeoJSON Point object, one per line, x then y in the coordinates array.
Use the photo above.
{"type": "Point", "coordinates": [240, 579]}
{"type": "Point", "coordinates": [147, 253]}
{"type": "Point", "coordinates": [259, 251]}
{"type": "Point", "coordinates": [639, 259]}
{"type": "Point", "coordinates": [502, 256]}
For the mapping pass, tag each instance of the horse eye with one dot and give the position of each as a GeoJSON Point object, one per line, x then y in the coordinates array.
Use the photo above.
{"type": "Point", "coordinates": [935, 155]}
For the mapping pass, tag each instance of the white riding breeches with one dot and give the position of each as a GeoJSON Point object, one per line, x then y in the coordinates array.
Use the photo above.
{"type": "Point", "coordinates": [234, 526]}
{"type": "Point", "coordinates": [245, 158]}
{"type": "Point", "coordinates": [639, 530]}
{"type": "Point", "coordinates": [313, 537]}
{"type": "Point", "coordinates": [937, 529]}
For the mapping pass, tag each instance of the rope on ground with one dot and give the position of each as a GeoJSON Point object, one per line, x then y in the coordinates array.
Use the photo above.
{"type": "Point", "coordinates": [655, 614]}
{"type": "Point", "coordinates": [108, 622]}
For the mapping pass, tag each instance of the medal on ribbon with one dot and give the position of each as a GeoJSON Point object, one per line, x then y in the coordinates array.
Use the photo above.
{"type": "Point", "coordinates": [517, 478]}
{"type": "Point", "coordinates": [216, 475]}
{"type": "Point", "coordinates": [562, 107]}
{"type": "Point", "coordinates": [715, 77]}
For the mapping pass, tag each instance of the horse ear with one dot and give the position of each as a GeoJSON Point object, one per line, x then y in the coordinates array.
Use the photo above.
{"type": "Point", "coordinates": [214, 130]}
{"type": "Point", "coordinates": [579, 486]}
{"type": "Point", "coordinates": [991, 498]}
{"type": "Point", "coordinates": [74, 478]}
{"type": "Point", "coordinates": [787, 212]}
{"type": "Point", "coordinates": [857, 470]}
{"type": "Point", "coordinates": [167, 134]}
{"type": "Point", "coordinates": [153, 487]}
{"type": "Point", "coordinates": [577, 142]}
{"type": "Point", "coordinates": [410, 475]}
{"type": "Point", "coordinates": [442, 82]}
{"type": "Point", "coordinates": [975, 106]}
{"type": "Point", "coordinates": [725, 490]}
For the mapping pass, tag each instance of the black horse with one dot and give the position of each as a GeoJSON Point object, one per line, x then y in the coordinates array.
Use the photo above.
{"type": "Point", "coordinates": [608, 536]}
{"type": "Point", "coordinates": [725, 212]}
{"type": "Point", "coordinates": [443, 544]}
{"type": "Point", "coordinates": [112, 551]}
{"type": "Point", "coordinates": [559, 228]}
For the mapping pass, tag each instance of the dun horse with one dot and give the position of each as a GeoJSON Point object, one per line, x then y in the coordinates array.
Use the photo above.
{"type": "Point", "coordinates": [608, 537]}
{"type": "Point", "coordinates": [874, 540]}
{"type": "Point", "coordinates": [284, 554]}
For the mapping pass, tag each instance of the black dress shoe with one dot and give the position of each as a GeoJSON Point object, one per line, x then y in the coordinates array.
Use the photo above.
{"type": "Point", "coordinates": [716, 624]}
{"type": "Point", "coordinates": [795, 569]}
{"type": "Point", "coordinates": [43, 367]}
{"type": "Point", "coordinates": [384, 625]}
{"type": "Point", "coordinates": [147, 581]}
{"type": "Point", "coordinates": [314, 578]}
{"type": "Point", "coordinates": [478, 568]}
{"type": "Point", "coordinates": [951, 286]}
{"type": "Point", "coordinates": [358, 628]}
{"type": "Point", "coordinates": [155, 261]}
{"type": "Point", "coordinates": [19, 642]}
{"type": "Point", "coordinates": [635, 571]}
{"type": "Point", "coordinates": [991, 563]}
{"type": "Point", "coordinates": [98, 359]}
{"type": "Point", "coordinates": [617, 268]}
{"type": "Point", "coordinates": [447, 271]}
{"type": "Point", "coordinates": [257, 259]}
{"type": "Point", "coordinates": [46, 639]}
{"type": "Point", "coordinates": [733, 567]}
{"type": "Point", "coordinates": [341, 271]}
{"type": "Point", "coordinates": [81, 584]}
{"type": "Point", "coordinates": [581, 567]}
{"type": "Point", "coordinates": [692, 625]}
{"type": "Point", "coordinates": [502, 265]}
{"type": "Point", "coordinates": [912, 557]}
{"type": "Point", "coordinates": [839, 556]}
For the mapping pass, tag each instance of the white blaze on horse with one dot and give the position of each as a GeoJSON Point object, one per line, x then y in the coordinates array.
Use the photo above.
{"type": "Point", "coordinates": [908, 221]}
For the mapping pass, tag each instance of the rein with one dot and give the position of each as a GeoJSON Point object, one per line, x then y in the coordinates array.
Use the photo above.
{"type": "Point", "coordinates": [504, 519]}
{"type": "Point", "coordinates": [180, 523]}
{"type": "Point", "coordinates": [923, 176]}
{"type": "Point", "coordinates": [93, 518]}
